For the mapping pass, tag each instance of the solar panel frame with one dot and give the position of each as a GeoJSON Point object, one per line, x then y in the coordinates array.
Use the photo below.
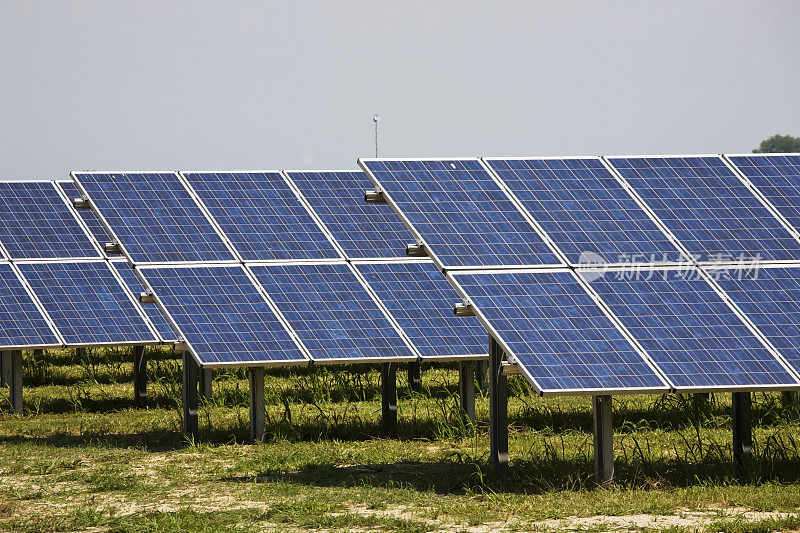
{"type": "Point", "coordinates": [330, 360]}
{"type": "Point", "coordinates": [765, 199]}
{"type": "Point", "coordinates": [231, 245]}
{"type": "Point", "coordinates": [5, 253]}
{"type": "Point", "coordinates": [125, 252]}
{"type": "Point", "coordinates": [99, 261]}
{"type": "Point", "coordinates": [633, 197]}
{"type": "Point", "coordinates": [608, 159]}
{"type": "Point", "coordinates": [736, 311]}
{"type": "Point", "coordinates": [362, 162]}
{"type": "Point", "coordinates": [352, 257]}
{"type": "Point", "coordinates": [226, 364]}
{"type": "Point", "coordinates": [388, 311]}
{"type": "Point", "coordinates": [452, 276]}
{"type": "Point", "coordinates": [35, 301]}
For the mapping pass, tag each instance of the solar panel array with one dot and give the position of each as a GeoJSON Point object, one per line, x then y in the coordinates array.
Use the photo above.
{"type": "Point", "coordinates": [289, 238]}
{"type": "Point", "coordinates": [22, 324]}
{"type": "Point", "coordinates": [603, 212]}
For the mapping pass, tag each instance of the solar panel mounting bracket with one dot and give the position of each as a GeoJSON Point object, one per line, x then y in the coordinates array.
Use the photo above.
{"type": "Point", "coordinates": [416, 250]}
{"type": "Point", "coordinates": [374, 196]}
{"type": "Point", "coordinates": [510, 369]}
{"type": "Point", "coordinates": [463, 309]}
{"type": "Point", "coordinates": [81, 203]}
{"type": "Point", "coordinates": [147, 298]}
{"type": "Point", "coordinates": [112, 248]}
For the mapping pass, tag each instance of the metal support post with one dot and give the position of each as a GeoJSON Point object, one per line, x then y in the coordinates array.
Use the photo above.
{"type": "Point", "coordinates": [603, 440]}
{"type": "Point", "coordinates": [257, 418]}
{"type": "Point", "coordinates": [139, 376]}
{"type": "Point", "coordinates": [415, 376]}
{"type": "Point", "coordinates": [482, 373]}
{"type": "Point", "coordinates": [498, 411]}
{"type": "Point", "coordinates": [190, 398]}
{"type": "Point", "coordinates": [206, 379]}
{"type": "Point", "coordinates": [466, 383]}
{"type": "Point", "coordinates": [389, 396]}
{"type": "Point", "coordinates": [81, 354]}
{"type": "Point", "coordinates": [4, 366]}
{"type": "Point", "coordinates": [12, 369]}
{"type": "Point", "coordinates": [742, 427]}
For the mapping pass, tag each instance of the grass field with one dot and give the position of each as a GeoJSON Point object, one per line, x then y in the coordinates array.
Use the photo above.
{"type": "Point", "coordinates": [82, 458]}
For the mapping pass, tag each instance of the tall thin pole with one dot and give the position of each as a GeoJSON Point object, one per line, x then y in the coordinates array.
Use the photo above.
{"type": "Point", "coordinates": [375, 119]}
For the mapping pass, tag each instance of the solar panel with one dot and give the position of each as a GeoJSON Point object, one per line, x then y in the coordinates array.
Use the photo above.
{"type": "Point", "coordinates": [223, 316]}
{"type": "Point", "coordinates": [362, 230]}
{"type": "Point", "coordinates": [36, 223]}
{"type": "Point", "coordinates": [261, 216]}
{"type": "Point", "coordinates": [332, 313]}
{"type": "Point", "coordinates": [86, 303]}
{"type": "Point", "coordinates": [777, 177]}
{"type": "Point", "coordinates": [88, 216]}
{"type": "Point", "coordinates": [460, 212]}
{"type": "Point", "coordinates": [711, 212]}
{"type": "Point", "coordinates": [689, 331]}
{"type": "Point", "coordinates": [770, 297]}
{"type": "Point", "coordinates": [154, 217]}
{"type": "Point", "coordinates": [135, 285]}
{"type": "Point", "coordinates": [421, 301]}
{"type": "Point", "coordinates": [585, 210]}
{"type": "Point", "coordinates": [22, 324]}
{"type": "Point", "coordinates": [560, 337]}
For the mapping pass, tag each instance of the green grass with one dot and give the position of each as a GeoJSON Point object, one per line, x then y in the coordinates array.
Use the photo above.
{"type": "Point", "coordinates": [83, 457]}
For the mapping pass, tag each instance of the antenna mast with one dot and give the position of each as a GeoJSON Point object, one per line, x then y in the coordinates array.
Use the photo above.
{"type": "Point", "coordinates": [375, 119]}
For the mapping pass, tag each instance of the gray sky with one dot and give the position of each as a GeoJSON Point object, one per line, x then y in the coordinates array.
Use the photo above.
{"type": "Point", "coordinates": [137, 85]}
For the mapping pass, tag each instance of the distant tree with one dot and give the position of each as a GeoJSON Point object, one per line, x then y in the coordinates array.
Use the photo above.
{"type": "Point", "coordinates": [778, 144]}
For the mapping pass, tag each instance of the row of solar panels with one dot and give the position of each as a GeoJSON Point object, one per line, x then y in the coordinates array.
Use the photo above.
{"type": "Point", "coordinates": [231, 313]}
{"type": "Point", "coordinates": [713, 302]}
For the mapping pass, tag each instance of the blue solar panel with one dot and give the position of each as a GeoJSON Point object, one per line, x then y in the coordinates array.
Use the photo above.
{"type": "Point", "coordinates": [88, 216]}
{"type": "Point", "coordinates": [556, 332]}
{"type": "Point", "coordinates": [421, 300]}
{"type": "Point", "coordinates": [21, 322]}
{"type": "Point", "coordinates": [154, 217]}
{"type": "Point", "coordinates": [222, 315]}
{"type": "Point", "coordinates": [585, 210]}
{"type": "Point", "coordinates": [36, 223]}
{"type": "Point", "coordinates": [331, 312]}
{"type": "Point", "coordinates": [86, 303]}
{"type": "Point", "coordinates": [688, 330]}
{"type": "Point", "coordinates": [714, 215]}
{"type": "Point", "coordinates": [770, 297]}
{"type": "Point", "coordinates": [778, 178]}
{"type": "Point", "coordinates": [460, 212]}
{"type": "Point", "coordinates": [261, 215]}
{"type": "Point", "coordinates": [136, 286]}
{"type": "Point", "coordinates": [364, 231]}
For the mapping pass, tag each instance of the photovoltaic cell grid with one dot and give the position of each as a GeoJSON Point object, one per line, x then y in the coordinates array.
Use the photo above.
{"type": "Point", "coordinates": [331, 312]}
{"type": "Point", "coordinates": [154, 217]}
{"type": "Point", "coordinates": [714, 215]}
{"type": "Point", "coordinates": [585, 211]}
{"type": "Point", "coordinates": [88, 216]}
{"type": "Point", "coordinates": [261, 215]}
{"type": "Point", "coordinates": [688, 330]}
{"type": "Point", "coordinates": [86, 303]}
{"type": "Point", "coordinates": [36, 223]}
{"type": "Point", "coordinates": [770, 297]}
{"type": "Point", "coordinates": [460, 212]}
{"type": "Point", "coordinates": [222, 315]}
{"type": "Point", "coordinates": [364, 231]}
{"type": "Point", "coordinates": [21, 322]}
{"type": "Point", "coordinates": [421, 300]}
{"type": "Point", "coordinates": [778, 178]}
{"type": "Point", "coordinates": [136, 286]}
{"type": "Point", "coordinates": [557, 332]}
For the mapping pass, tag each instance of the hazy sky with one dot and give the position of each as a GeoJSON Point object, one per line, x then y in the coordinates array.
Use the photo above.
{"type": "Point", "coordinates": [137, 85]}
